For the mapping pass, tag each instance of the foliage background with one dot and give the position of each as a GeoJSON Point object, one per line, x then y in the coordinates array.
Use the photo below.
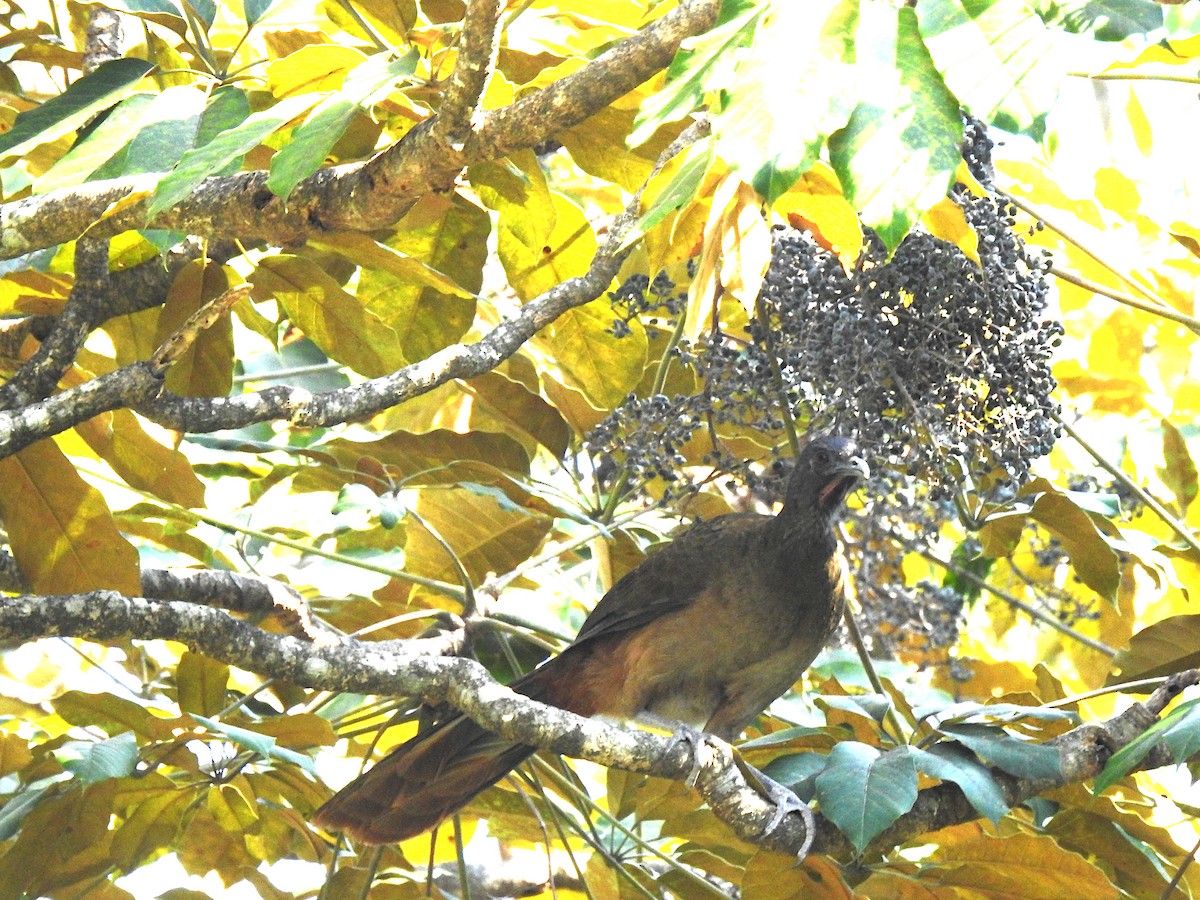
{"type": "Point", "coordinates": [476, 504]}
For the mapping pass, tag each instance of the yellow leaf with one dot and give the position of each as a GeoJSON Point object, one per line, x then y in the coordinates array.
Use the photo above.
{"type": "Point", "coordinates": [427, 309]}
{"type": "Point", "coordinates": [14, 754]}
{"type": "Point", "coordinates": [487, 534]}
{"type": "Point", "coordinates": [119, 439]}
{"type": "Point", "coordinates": [313, 67]}
{"type": "Point", "coordinates": [544, 238]}
{"type": "Point", "coordinates": [605, 367]}
{"type": "Point", "coordinates": [491, 403]}
{"type": "Point", "coordinates": [945, 220]}
{"type": "Point", "coordinates": [816, 204]}
{"type": "Point", "coordinates": [364, 250]}
{"type": "Point", "coordinates": [150, 825]}
{"type": "Point", "coordinates": [231, 809]}
{"type": "Point", "coordinates": [206, 368]}
{"type": "Point", "coordinates": [34, 293]}
{"type": "Point", "coordinates": [297, 730]}
{"type": "Point", "coordinates": [60, 529]}
{"type": "Point", "coordinates": [335, 320]}
{"type": "Point", "coordinates": [734, 256]}
{"type": "Point", "coordinates": [1033, 867]}
{"type": "Point", "coordinates": [776, 876]}
{"type": "Point", "coordinates": [200, 683]}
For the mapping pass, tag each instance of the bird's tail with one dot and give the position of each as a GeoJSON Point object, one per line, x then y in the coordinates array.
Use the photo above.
{"type": "Point", "coordinates": [436, 773]}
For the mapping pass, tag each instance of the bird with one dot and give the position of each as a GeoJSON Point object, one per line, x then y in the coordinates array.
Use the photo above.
{"type": "Point", "coordinates": [701, 636]}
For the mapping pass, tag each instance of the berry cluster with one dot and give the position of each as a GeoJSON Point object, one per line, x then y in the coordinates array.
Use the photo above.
{"type": "Point", "coordinates": [938, 366]}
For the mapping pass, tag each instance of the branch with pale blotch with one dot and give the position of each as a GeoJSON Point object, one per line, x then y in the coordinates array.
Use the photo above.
{"type": "Point", "coordinates": [415, 668]}
{"type": "Point", "coordinates": [478, 47]}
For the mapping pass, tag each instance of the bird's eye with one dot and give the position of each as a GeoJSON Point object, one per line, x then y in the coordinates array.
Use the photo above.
{"type": "Point", "coordinates": [823, 457]}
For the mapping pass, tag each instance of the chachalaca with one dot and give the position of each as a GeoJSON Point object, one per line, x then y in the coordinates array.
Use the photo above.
{"type": "Point", "coordinates": [703, 634]}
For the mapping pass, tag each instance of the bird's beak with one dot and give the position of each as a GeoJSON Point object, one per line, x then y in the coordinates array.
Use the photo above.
{"type": "Point", "coordinates": [855, 467]}
{"type": "Point", "coordinates": [845, 478]}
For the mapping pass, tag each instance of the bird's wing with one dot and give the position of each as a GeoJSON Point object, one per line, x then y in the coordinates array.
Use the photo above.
{"type": "Point", "coordinates": [670, 579]}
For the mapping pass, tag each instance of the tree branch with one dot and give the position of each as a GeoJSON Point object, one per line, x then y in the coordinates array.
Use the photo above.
{"type": "Point", "coordinates": [37, 377]}
{"type": "Point", "coordinates": [139, 386]}
{"type": "Point", "coordinates": [478, 46]}
{"type": "Point", "coordinates": [358, 196]}
{"type": "Point", "coordinates": [413, 667]}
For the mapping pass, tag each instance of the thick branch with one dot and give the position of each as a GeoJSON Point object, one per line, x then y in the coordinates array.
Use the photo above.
{"type": "Point", "coordinates": [397, 667]}
{"type": "Point", "coordinates": [133, 387]}
{"type": "Point", "coordinates": [359, 196]}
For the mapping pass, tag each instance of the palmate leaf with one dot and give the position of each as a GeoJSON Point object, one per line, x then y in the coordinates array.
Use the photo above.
{"type": "Point", "coordinates": [998, 58]}
{"type": "Point", "coordinates": [781, 105]}
{"type": "Point", "coordinates": [897, 155]}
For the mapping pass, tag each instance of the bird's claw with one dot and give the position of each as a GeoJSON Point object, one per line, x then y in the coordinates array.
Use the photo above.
{"type": "Point", "coordinates": [686, 734]}
{"type": "Point", "coordinates": [785, 801]}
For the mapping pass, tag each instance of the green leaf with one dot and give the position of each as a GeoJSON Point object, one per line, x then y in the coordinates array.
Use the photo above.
{"type": "Point", "coordinates": [103, 142]}
{"type": "Point", "coordinates": [90, 95]}
{"type": "Point", "coordinates": [863, 791]}
{"type": "Point", "coordinates": [950, 762]}
{"type": "Point", "coordinates": [262, 744]}
{"type": "Point", "coordinates": [14, 810]}
{"type": "Point", "coordinates": [678, 192]}
{"type": "Point", "coordinates": [1179, 730]}
{"type": "Point", "coordinates": [224, 150]}
{"type": "Point", "coordinates": [798, 771]}
{"type": "Point", "coordinates": [169, 127]}
{"type": "Point", "coordinates": [998, 747]}
{"type": "Point", "coordinates": [227, 108]}
{"type": "Point", "coordinates": [998, 58]}
{"type": "Point", "coordinates": [365, 85]}
{"type": "Point", "coordinates": [897, 155]}
{"type": "Point", "coordinates": [775, 117]}
{"type": "Point", "coordinates": [704, 63]}
{"type": "Point", "coordinates": [1107, 20]}
{"type": "Point", "coordinates": [96, 761]}
{"type": "Point", "coordinates": [970, 711]}
{"type": "Point", "coordinates": [256, 9]}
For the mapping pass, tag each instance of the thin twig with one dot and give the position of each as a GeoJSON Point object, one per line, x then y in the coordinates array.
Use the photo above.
{"type": "Point", "coordinates": [1179, 527]}
{"type": "Point", "coordinates": [1017, 603]}
{"type": "Point", "coordinates": [1167, 312]}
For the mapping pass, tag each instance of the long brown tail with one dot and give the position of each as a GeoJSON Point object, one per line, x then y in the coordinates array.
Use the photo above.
{"type": "Point", "coordinates": [430, 777]}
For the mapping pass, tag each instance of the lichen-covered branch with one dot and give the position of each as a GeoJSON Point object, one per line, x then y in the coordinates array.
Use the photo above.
{"type": "Point", "coordinates": [39, 375]}
{"type": "Point", "coordinates": [478, 46]}
{"type": "Point", "coordinates": [417, 668]}
{"type": "Point", "coordinates": [356, 196]}
{"type": "Point", "coordinates": [139, 386]}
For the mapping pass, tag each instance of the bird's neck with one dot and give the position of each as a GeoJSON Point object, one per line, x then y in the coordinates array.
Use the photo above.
{"type": "Point", "coordinates": [803, 534]}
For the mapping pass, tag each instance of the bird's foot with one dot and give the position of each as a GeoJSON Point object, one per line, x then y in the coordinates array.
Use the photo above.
{"type": "Point", "coordinates": [785, 801]}
{"type": "Point", "coordinates": [695, 739]}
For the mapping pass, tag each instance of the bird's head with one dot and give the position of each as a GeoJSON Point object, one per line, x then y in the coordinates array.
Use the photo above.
{"type": "Point", "coordinates": [828, 469]}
